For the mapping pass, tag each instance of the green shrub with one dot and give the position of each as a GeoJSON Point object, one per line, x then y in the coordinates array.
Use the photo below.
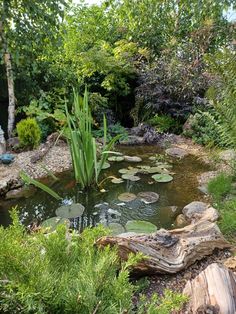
{"type": "Point", "coordinates": [206, 129]}
{"type": "Point", "coordinates": [29, 133]}
{"type": "Point", "coordinates": [55, 275]}
{"type": "Point", "coordinates": [220, 186]}
{"type": "Point", "coordinates": [164, 123]}
{"type": "Point", "coordinates": [112, 130]}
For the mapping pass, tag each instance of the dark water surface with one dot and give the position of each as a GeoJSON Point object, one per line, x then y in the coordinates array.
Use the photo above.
{"type": "Point", "coordinates": [181, 191]}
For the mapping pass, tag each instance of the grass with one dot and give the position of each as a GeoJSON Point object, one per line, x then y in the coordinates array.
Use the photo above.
{"type": "Point", "coordinates": [221, 187]}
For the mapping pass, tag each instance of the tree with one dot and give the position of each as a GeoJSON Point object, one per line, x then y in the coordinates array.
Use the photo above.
{"type": "Point", "coordinates": [24, 27]}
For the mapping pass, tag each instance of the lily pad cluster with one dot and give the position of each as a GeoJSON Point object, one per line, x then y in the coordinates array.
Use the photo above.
{"type": "Point", "coordinates": [145, 197]}
{"type": "Point", "coordinates": [132, 226]}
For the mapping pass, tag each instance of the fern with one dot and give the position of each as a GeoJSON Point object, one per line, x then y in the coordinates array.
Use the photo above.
{"type": "Point", "coordinates": [223, 94]}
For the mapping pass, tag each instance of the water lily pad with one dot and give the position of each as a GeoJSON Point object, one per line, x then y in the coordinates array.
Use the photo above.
{"type": "Point", "coordinates": [106, 165]}
{"type": "Point", "coordinates": [70, 211]}
{"type": "Point", "coordinates": [130, 177]}
{"type": "Point", "coordinates": [116, 228]}
{"type": "Point", "coordinates": [140, 226]}
{"type": "Point", "coordinates": [123, 170]}
{"type": "Point", "coordinates": [116, 158]}
{"type": "Point", "coordinates": [51, 224]}
{"type": "Point", "coordinates": [133, 158]}
{"type": "Point", "coordinates": [148, 197]}
{"type": "Point", "coordinates": [117, 180]}
{"type": "Point", "coordinates": [127, 197]}
{"type": "Point", "coordinates": [155, 170]}
{"type": "Point", "coordinates": [162, 177]}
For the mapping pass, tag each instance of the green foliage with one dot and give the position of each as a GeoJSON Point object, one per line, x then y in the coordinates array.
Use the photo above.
{"type": "Point", "coordinates": [164, 123]}
{"type": "Point", "coordinates": [29, 133]}
{"type": "Point", "coordinates": [112, 130]}
{"type": "Point", "coordinates": [83, 146]}
{"type": "Point", "coordinates": [227, 221]}
{"type": "Point", "coordinates": [220, 186]}
{"type": "Point", "coordinates": [206, 128]}
{"type": "Point", "coordinates": [170, 302]}
{"type": "Point", "coordinates": [223, 93]}
{"type": "Point", "coordinates": [61, 273]}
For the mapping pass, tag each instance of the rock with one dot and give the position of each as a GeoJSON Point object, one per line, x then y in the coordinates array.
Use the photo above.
{"type": "Point", "coordinates": [203, 189]}
{"type": "Point", "coordinates": [194, 208]}
{"type": "Point", "coordinates": [132, 158]}
{"type": "Point", "coordinates": [22, 192]}
{"type": "Point", "coordinates": [227, 155]}
{"type": "Point", "coordinates": [113, 212]}
{"type": "Point", "coordinates": [197, 210]}
{"type": "Point", "coordinates": [176, 152]}
{"type": "Point", "coordinates": [132, 140]}
{"type": "Point", "coordinates": [181, 221]}
{"type": "Point", "coordinates": [231, 263]}
{"type": "Point", "coordinates": [187, 127]}
{"type": "Point", "coordinates": [13, 143]}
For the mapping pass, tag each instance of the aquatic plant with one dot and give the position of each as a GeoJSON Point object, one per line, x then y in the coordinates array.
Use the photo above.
{"type": "Point", "coordinates": [83, 146]}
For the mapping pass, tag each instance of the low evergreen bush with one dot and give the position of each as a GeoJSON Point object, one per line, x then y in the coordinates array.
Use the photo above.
{"type": "Point", "coordinates": [29, 133]}
{"type": "Point", "coordinates": [67, 273]}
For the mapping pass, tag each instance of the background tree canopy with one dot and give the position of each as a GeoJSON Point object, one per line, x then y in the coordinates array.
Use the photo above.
{"type": "Point", "coordinates": [133, 55]}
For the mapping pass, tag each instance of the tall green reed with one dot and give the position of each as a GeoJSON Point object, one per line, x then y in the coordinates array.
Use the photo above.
{"type": "Point", "coordinates": [84, 149]}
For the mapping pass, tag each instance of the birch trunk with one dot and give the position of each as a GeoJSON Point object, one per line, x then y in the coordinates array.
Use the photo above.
{"type": "Point", "coordinates": [11, 94]}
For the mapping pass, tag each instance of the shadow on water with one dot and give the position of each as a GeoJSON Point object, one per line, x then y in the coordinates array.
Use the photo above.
{"type": "Point", "coordinates": [105, 207]}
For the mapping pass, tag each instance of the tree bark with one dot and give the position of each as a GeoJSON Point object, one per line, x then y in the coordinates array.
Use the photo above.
{"type": "Point", "coordinates": [11, 94]}
{"type": "Point", "coordinates": [212, 291]}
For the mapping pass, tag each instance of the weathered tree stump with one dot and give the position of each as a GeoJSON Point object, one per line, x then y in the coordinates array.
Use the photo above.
{"type": "Point", "coordinates": [174, 250]}
{"type": "Point", "coordinates": [212, 291]}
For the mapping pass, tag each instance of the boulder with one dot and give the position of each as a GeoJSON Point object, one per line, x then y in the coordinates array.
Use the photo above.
{"type": "Point", "coordinates": [196, 210]}
{"type": "Point", "coordinates": [22, 192]}
{"type": "Point", "coordinates": [176, 152]}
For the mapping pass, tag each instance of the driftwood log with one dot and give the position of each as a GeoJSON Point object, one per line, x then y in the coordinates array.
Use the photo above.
{"type": "Point", "coordinates": [174, 250]}
{"type": "Point", "coordinates": [212, 291]}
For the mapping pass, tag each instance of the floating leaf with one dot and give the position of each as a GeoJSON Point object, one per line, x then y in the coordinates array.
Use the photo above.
{"type": "Point", "coordinates": [140, 226]}
{"type": "Point", "coordinates": [116, 228]}
{"type": "Point", "coordinates": [117, 180]}
{"type": "Point", "coordinates": [70, 211]}
{"type": "Point", "coordinates": [162, 177]}
{"type": "Point", "coordinates": [133, 158]}
{"type": "Point", "coordinates": [155, 170]}
{"type": "Point", "coordinates": [123, 170]}
{"type": "Point", "coordinates": [148, 197]}
{"type": "Point", "coordinates": [130, 177]}
{"type": "Point", "coordinates": [52, 223]}
{"type": "Point", "coordinates": [116, 158]}
{"type": "Point", "coordinates": [106, 165]}
{"type": "Point", "coordinates": [127, 197]}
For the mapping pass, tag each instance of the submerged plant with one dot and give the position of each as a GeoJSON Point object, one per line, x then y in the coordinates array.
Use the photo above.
{"type": "Point", "coordinates": [83, 146]}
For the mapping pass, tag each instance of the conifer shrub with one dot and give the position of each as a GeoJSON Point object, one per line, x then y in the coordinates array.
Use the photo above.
{"type": "Point", "coordinates": [29, 133]}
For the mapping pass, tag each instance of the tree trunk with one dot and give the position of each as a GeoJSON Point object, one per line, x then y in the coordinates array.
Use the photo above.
{"type": "Point", "coordinates": [212, 291]}
{"type": "Point", "coordinates": [11, 94]}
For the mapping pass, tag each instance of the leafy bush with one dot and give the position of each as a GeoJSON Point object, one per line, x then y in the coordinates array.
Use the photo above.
{"type": "Point", "coordinates": [29, 133]}
{"type": "Point", "coordinates": [206, 129]}
{"type": "Point", "coordinates": [220, 186]}
{"type": "Point", "coordinates": [222, 94]}
{"type": "Point", "coordinates": [164, 123]}
{"type": "Point", "coordinates": [112, 130]}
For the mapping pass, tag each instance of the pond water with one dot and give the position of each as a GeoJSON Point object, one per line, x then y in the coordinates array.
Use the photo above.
{"type": "Point", "coordinates": [106, 207]}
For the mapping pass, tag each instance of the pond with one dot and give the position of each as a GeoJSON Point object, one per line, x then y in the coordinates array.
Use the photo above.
{"type": "Point", "coordinates": [106, 207]}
